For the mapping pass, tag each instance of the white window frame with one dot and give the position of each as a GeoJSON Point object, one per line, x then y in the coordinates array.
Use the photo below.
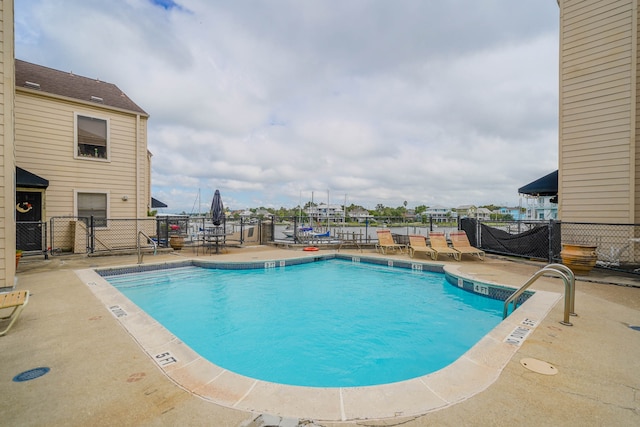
{"type": "Point", "coordinates": [106, 194]}
{"type": "Point", "coordinates": [76, 144]}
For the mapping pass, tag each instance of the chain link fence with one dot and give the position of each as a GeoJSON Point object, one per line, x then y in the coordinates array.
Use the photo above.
{"type": "Point", "coordinates": [81, 235]}
{"type": "Point", "coordinates": [530, 239]}
{"type": "Point", "coordinates": [617, 245]}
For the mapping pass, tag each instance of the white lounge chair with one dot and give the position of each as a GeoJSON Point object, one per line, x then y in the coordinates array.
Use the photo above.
{"type": "Point", "coordinates": [15, 300]}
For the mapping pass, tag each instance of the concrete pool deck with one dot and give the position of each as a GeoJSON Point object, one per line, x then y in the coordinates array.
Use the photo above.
{"type": "Point", "coordinates": [100, 374]}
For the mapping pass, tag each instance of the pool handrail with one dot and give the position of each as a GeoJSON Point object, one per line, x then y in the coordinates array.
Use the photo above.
{"type": "Point", "coordinates": [149, 239]}
{"type": "Point", "coordinates": [559, 271]}
{"type": "Point", "coordinates": [572, 278]}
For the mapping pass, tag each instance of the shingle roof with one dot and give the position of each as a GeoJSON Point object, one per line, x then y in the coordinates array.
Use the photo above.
{"type": "Point", "coordinates": [62, 83]}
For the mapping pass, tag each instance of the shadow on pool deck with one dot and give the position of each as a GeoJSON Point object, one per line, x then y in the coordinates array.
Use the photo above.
{"type": "Point", "coordinates": [100, 376]}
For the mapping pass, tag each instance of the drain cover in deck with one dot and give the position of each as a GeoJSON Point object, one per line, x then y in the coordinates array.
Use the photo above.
{"type": "Point", "coordinates": [538, 366]}
{"type": "Point", "coordinates": [31, 374]}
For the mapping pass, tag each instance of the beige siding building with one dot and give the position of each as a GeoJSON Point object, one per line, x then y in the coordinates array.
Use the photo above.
{"type": "Point", "coordinates": [7, 159]}
{"type": "Point", "coordinates": [89, 142]}
{"type": "Point", "coordinates": [599, 174]}
{"type": "Point", "coordinates": [81, 147]}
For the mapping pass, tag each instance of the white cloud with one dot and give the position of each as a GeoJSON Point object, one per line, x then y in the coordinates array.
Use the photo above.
{"type": "Point", "coordinates": [442, 103]}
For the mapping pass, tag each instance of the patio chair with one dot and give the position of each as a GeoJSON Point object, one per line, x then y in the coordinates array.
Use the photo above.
{"type": "Point", "coordinates": [460, 242]}
{"type": "Point", "coordinates": [438, 243]}
{"type": "Point", "coordinates": [16, 300]}
{"type": "Point", "coordinates": [418, 243]}
{"type": "Point", "coordinates": [386, 242]}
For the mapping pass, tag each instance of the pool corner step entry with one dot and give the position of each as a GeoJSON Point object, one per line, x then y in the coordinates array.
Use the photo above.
{"type": "Point", "coordinates": [538, 366]}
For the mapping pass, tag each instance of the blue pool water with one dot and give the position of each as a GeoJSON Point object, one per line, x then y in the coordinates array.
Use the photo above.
{"type": "Point", "coordinates": [331, 323]}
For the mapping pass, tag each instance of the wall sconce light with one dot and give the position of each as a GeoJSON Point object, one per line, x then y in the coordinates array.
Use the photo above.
{"type": "Point", "coordinates": [125, 198]}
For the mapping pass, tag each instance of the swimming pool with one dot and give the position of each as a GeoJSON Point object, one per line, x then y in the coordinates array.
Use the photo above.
{"type": "Point", "coordinates": [332, 323]}
{"type": "Point", "coordinates": [470, 374]}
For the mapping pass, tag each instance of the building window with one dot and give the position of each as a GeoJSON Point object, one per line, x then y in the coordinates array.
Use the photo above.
{"type": "Point", "coordinates": [93, 204]}
{"type": "Point", "coordinates": [92, 137]}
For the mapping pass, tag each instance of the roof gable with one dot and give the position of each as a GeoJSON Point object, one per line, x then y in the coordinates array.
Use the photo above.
{"type": "Point", "coordinates": [61, 83]}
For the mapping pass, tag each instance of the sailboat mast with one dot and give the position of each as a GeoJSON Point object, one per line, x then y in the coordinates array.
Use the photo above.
{"type": "Point", "coordinates": [344, 211]}
{"type": "Point", "coordinates": [328, 199]}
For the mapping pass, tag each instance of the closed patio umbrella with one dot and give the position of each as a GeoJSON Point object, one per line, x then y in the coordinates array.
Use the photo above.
{"type": "Point", "coordinates": [217, 209]}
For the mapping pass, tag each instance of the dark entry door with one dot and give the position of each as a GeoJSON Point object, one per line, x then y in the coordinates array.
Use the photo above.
{"type": "Point", "coordinates": [29, 220]}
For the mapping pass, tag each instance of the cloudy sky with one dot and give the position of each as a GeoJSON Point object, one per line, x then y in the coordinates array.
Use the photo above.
{"type": "Point", "coordinates": [270, 101]}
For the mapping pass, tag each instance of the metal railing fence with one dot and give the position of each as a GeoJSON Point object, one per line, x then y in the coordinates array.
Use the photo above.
{"type": "Point", "coordinates": [236, 231]}
{"type": "Point", "coordinates": [617, 245]}
{"type": "Point", "coordinates": [302, 230]}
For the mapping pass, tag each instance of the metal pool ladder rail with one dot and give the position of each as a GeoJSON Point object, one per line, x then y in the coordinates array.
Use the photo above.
{"type": "Point", "coordinates": [557, 270]}
{"type": "Point", "coordinates": [149, 239]}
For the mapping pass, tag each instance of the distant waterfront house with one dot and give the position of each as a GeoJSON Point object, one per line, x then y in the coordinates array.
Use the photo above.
{"type": "Point", "coordinates": [466, 211]}
{"type": "Point", "coordinates": [410, 215]}
{"type": "Point", "coordinates": [87, 139]}
{"type": "Point", "coordinates": [540, 208]}
{"type": "Point", "coordinates": [483, 214]}
{"type": "Point", "coordinates": [263, 213]}
{"type": "Point", "coordinates": [516, 213]}
{"type": "Point", "coordinates": [471, 211]}
{"type": "Point", "coordinates": [439, 214]}
{"type": "Point", "coordinates": [324, 212]}
{"type": "Point", "coordinates": [359, 214]}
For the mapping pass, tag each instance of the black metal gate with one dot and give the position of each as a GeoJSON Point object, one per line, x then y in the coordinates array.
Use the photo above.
{"type": "Point", "coordinates": [30, 230]}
